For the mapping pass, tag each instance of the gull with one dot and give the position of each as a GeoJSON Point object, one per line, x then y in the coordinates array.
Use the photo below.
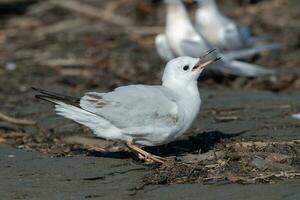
{"type": "Point", "coordinates": [147, 115]}
{"type": "Point", "coordinates": [223, 32]}
{"type": "Point", "coordinates": [182, 39]}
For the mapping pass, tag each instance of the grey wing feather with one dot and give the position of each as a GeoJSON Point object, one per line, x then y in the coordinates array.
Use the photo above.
{"type": "Point", "coordinates": [233, 40]}
{"type": "Point", "coordinates": [134, 106]}
{"type": "Point", "coordinates": [245, 32]}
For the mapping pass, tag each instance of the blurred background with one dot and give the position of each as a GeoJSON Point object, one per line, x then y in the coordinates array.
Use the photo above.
{"type": "Point", "coordinates": [82, 45]}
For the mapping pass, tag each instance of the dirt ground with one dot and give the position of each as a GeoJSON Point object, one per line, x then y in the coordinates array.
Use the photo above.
{"type": "Point", "coordinates": [245, 133]}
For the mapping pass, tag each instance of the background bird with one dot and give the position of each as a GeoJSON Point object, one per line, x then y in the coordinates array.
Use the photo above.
{"type": "Point", "coordinates": [181, 39]}
{"type": "Point", "coordinates": [223, 32]}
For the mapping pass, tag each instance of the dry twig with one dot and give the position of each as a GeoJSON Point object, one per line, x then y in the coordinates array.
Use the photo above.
{"type": "Point", "coordinates": [2, 140]}
{"type": "Point", "coordinates": [90, 11]}
{"type": "Point", "coordinates": [107, 16]}
{"type": "Point", "coordinates": [9, 119]}
{"type": "Point", "coordinates": [66, 62]}
{"type": "Point", "coordinates": [261, 144]}
{"type": "Point", "coordinates": [93, 143]}
{"type": "Point", "coordinates": [59, 27]}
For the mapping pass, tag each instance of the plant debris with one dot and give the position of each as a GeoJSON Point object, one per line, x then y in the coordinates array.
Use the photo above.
{"type": "Point", "coordinates": [255, 162]}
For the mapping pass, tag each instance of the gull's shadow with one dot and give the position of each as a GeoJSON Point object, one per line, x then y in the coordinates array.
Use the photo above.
{"type": "Point", "coordinates": [115, 154]}
{"type": "Point", "coordinates": [201, 142]}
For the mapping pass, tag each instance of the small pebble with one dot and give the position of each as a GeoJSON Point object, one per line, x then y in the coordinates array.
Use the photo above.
{"type": "Point", "coordinates": [10, 66]}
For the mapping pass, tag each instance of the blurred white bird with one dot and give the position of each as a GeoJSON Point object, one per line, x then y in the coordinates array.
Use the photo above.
{"type": "Point", "coordinates": [181, 39]}
{"type": "Point", "coordinates": [224, 33]}
{"type": "Point", "coordinates": [297, 116]}
{"type": "Point", "coordinates": [140, 114]}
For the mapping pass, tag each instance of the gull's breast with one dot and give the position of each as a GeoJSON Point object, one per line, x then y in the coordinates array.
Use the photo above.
{"type": "Point", "coordinates": [188, 112]}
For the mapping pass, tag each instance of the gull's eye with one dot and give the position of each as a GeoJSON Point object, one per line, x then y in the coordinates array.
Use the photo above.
{"type": "Point", "coordinates": [186, 67]}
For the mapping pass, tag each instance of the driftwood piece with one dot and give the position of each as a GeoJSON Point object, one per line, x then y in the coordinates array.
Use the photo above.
{"type": "Point", "coordinates": [75, 72]}
{"type": "Point", "coordinates": [95, 144]}
{"type": "Point", "coordinates": [146, 30]}
{"type": "Point", "coordinates": [67, 62]}
{"type": "Point", "coordinates": [40, 7]}
{"type": "Point", "coordinates": [15, 120]}
{"type": "Point", "coordinates": [260, 144]}
{"type": "Point", "coordinates": [109, 16]}
{"type": "Point", "coordinates": [59, 27]}
{"type": "Point", "coordinates": [261, 178]}
{"type": "Point", "coordinates": [90, 11]}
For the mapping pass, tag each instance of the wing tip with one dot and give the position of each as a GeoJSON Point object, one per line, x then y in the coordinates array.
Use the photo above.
{"type": "Point", "coordinates": [55, 97]}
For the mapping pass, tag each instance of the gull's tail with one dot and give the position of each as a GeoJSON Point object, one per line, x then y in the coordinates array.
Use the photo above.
{"type": "Point", "coordinates": [249, 52]}
{"type": "Point", "coordinates": [240, 68]}
{"type": "Point", "coordinates": [56, 97]}
{"type": "Point", "coordinates": [69, 107]}
{"type": "Point", "coordinates": [66, 106]}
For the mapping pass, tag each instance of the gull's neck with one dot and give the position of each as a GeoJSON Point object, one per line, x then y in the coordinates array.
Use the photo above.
{"type": "Point", "coordinates": [187, 90]}
{"type": "Point", "coordinates": [189, 102]}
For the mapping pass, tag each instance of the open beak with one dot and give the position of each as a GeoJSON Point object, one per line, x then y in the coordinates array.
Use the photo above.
{"type": "Point", "coordinates": [205, 60]}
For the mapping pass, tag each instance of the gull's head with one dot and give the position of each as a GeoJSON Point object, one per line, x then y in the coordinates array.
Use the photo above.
{"type": "Point", "coordinates": [184, 71]}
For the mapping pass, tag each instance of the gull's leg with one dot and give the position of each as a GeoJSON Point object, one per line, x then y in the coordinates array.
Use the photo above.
{"type": "Point", "coordinates": [144, 154]}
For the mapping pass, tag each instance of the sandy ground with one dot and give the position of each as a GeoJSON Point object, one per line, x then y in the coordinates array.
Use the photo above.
{"type": "Point", "coordinates": [245, 143]}
{"type": "Point", "coordinates": [31, 175]}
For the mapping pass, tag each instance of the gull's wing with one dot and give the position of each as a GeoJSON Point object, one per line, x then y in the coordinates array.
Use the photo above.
{"type": "Point", "coordinates": [232, 37]}
{"type": "Point", "coordinates": [134, 106]}
{"type": "Point", "coordinates": [218, 29]}
{"type": "Point", "coordinates": [146, 113]}
{"type": "Point", "coordinates": [163, 48]}
{"type": "Point", "coordinates": [245, 31]}
{"type": "Point", "coordinates": [247, 53]}
{"type": "Point", "coordinates": [240, 68]}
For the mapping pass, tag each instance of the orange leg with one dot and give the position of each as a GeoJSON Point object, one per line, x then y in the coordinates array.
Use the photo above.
{"type": "Point", "coordinates": [144, 154]}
